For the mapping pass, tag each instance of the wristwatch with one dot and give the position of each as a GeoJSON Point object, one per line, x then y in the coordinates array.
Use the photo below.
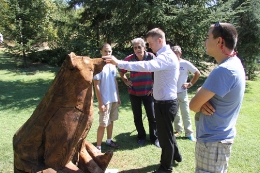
{"type": "Point", "coordinates": [190, 84]}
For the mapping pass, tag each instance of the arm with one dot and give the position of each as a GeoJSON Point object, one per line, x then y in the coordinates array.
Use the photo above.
{"type": "Point", "coordinates": [101, 106]}
{"type": "Point", "coordinates": [193, 80]}
{"type": "Point", "coordinates": [199, 103]}
{"type": "Point", "coordinates": [118, 97]}
{"type": "Point", "coordinates": [111, 60]}
{"type": "Point", "coordinates": [159, 63]}
{"type": "Point", "coordinates": [125, 79]}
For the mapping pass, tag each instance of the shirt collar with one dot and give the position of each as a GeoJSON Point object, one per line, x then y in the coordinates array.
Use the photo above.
{"type": "Point", "coordinates": [145, 56]}
{"type": "Point", "coordinates": [163, 49]}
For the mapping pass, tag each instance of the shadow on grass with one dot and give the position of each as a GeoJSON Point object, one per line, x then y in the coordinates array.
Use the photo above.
{"type": "Point", "coordinates": [20, 95]}
{"type": "Point", "coordinates": [130, 143]}
{"type": "Point", "coordinates": [150, 168]}
{"type": "Point", "coordinates": [17, 94]}
{"type": "Point", "coordinates": [14, 66]}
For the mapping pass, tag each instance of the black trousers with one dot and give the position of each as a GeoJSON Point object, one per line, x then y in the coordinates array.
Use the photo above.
{"type": "Point", "coordinates": [165, 111]}
{"type": "Point", "coordinates": [148, 102]}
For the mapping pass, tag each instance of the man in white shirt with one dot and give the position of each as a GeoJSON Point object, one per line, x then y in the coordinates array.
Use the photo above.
{"type": "Point", "coordinates": [166, 72]}
{"type": "Point", "coordinates": [186, 67]}
{"type": "Point", "coordinates": [107, 94]}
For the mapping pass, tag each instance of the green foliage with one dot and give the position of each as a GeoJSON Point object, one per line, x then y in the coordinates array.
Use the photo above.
{"type": "Point", "coordinates": [30, 24]}
{"type": "Point", "coordinates": [185, 22]}
{"type": "Point", "coordinates": [248, 24]}
{"type": "Point", "coordinates": [3, 14]}
{"type": "Point", "coordinates": [54, 57]}
{"type": "Point", "coordinates": [82, 26]}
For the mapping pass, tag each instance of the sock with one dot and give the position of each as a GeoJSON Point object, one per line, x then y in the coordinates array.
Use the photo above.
{"type": "Point", "coordinates": [108, 141]}
{"type": "Point", "coordinates": [98, 147]}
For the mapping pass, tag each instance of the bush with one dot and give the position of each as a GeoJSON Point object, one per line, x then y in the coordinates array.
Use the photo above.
{"type": "Point", "coordinates": [54, 57]}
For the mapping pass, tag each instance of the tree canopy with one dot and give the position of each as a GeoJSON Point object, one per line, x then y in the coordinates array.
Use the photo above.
{"type": "Point", "coordinates": [82, 26]}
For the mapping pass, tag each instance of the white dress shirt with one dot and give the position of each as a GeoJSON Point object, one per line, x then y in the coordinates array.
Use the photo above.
{"type": "Point", "coordinates": [166, 72]}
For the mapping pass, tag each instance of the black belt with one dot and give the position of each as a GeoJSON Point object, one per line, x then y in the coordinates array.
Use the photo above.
{"type": "Point", "coordinates": [164, 101]}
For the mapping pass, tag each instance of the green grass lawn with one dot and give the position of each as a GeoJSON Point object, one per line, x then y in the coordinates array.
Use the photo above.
{"type": "Point", "coordinates": [22, 90]}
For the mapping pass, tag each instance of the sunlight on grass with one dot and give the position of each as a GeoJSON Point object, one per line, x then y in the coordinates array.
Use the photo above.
{"type": "Point", "coordinates": [22, 90]}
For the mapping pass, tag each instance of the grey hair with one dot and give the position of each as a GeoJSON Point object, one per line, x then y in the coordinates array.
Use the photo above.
{"type": "Point", "coordinates": [138, 40]}
{"type": "Point", "coordinates": [176, 49]}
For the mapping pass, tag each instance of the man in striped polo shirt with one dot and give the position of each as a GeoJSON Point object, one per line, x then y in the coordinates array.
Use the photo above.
{"type": "Point", "coordinates": [140, 89]}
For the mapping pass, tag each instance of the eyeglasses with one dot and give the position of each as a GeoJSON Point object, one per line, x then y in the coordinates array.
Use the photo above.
{"type": "Point", "coordinates": [138, 47]}
{"type": "Point", "coordinates": [217, 25]}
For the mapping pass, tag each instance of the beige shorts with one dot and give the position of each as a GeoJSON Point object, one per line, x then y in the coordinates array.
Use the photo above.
{"type": "Point", "coordinates": [111, 114]}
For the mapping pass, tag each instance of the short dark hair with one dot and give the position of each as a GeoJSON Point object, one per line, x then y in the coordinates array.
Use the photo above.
{"type": "Point", "coordinates": [105, 44]}
{"type": "Point", "coordinates": [228, 32]}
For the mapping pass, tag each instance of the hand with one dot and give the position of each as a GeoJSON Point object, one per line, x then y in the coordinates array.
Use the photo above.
{"type": "Point", "coordinates": [128, 83]}
{"type": "Point", "coordinates": [150, 93]}
{"type": "Point", "coordinates": [207, 109]}
{"type": "Point", "coordinates": [185, 85]}
{"type": "Point", "coordinates": [110, 59]}
{"type": "Point", "coordinates": [102, 108]}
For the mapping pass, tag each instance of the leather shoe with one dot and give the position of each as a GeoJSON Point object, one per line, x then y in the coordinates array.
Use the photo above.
{"type": "Point", "coordinates": [141, 142]}
{"type": "Point", "coordinates": [157, 144]}
{"type": "Point", "coordinates": [178, 159]}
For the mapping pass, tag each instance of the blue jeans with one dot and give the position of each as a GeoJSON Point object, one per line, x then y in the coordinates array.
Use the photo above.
{"type": "Point", "coordinates": [136, 103]}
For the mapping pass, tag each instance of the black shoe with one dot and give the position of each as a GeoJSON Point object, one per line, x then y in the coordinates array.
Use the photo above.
{"type": "Point", "coordinates": [141, 142]}
{"type": "Point", "coordinates": [157, 144]}
{"type": "Point", "coordinates": [113, 144]}
{"type": "Point", "coordinates": [178, 159]}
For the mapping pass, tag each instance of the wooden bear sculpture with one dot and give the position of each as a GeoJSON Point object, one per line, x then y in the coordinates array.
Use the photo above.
{"type": "Point", "coordinates": [53, 138]}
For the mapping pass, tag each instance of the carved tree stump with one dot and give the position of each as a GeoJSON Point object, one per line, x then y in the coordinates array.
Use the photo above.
{"type": "Point", "coordinates": [53, 138]}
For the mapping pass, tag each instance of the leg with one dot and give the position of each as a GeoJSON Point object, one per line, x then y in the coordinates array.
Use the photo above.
{"type": "Point", "coordinates": [103, 123]}
{"type": "Point", "coordinates": [164, 114]}
{"type": "Point", "coordinates": [185, 112]}
{"type": "Point", "coordinates": [136, 103]}
{"type": "Point", "coordinates": [100, 134]}
{"type": "Point", "coordinates": [110, 130]}
{"type": "Point", "coordinates": [149, 108]}
{"type": "Point", "coordinates": [113, 116]}
{"type": "Point", "coordinates": [177, 122]}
